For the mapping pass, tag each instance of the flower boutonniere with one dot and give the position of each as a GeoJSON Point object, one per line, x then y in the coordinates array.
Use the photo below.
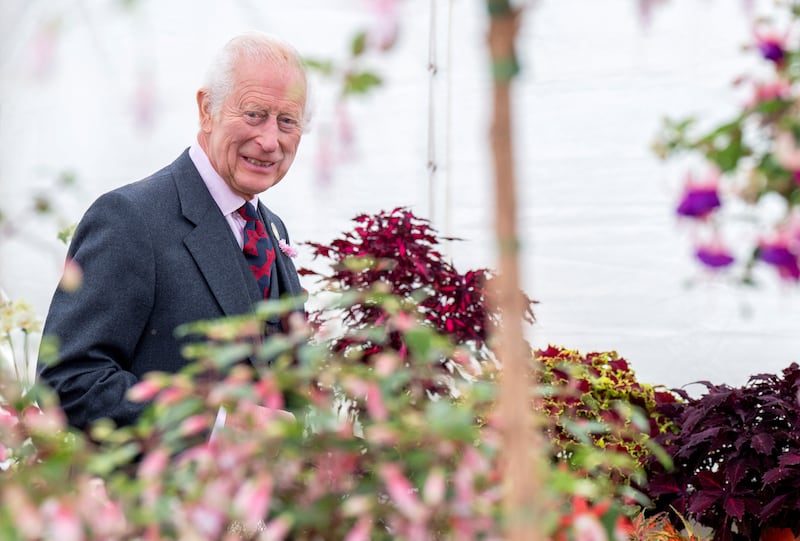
{"type": "Point", "coordinates": [282, 244]}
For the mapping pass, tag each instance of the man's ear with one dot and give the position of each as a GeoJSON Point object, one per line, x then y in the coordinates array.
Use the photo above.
{"type": "Point", "coordinates": [204, 109]}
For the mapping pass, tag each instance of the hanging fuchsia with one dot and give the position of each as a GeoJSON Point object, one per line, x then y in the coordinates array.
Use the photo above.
{"type": "Point", "coordinates": [700, 196]}
{"type": "Point", "coordinates": [754, 164]}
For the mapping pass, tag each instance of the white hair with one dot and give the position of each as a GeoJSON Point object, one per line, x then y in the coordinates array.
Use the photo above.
{"type": "Point", "coordinates": [256, 47]}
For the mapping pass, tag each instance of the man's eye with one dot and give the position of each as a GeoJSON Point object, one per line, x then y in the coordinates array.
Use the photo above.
{"type": "Point", "coordinates": [252, 115]}
{"type": "Point", "coordinates": [287, 121]}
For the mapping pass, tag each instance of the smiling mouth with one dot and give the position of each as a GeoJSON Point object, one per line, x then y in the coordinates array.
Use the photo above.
{"type": "Point", "coordinates": [258, 163]}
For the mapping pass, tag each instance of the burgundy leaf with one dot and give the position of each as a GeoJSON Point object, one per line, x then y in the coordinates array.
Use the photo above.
{"type": "Point", "coordinates": [734, 507]}
{"type": "Point", "coordinates": [763, 443]}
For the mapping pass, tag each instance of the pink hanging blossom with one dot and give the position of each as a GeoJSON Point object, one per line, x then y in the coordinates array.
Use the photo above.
{"type": "Point", "coordinates": [764, 92]}
{"type": "Point", "coordinates": [324, 159]}
{"type": "Point", "coordinates": [43, 48]}
{"type": "Point", "coordinates": [144, 101]}
{"type": "Point", "coordinates": [345, 132]}
{"type": "Point", "coordinates": [386, 26]}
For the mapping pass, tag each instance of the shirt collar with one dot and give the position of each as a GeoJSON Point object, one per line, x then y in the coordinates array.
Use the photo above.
{"type": "Point", "coordinates": [223, 196]}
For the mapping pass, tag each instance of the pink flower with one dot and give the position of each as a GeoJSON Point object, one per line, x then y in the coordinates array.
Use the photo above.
{"type": "Point", "coordinates": [434, 490]}
{"type": "Point", "coordinates": [787, 150]}
{"type": "Point", "coordinates": [385, 28]}
{"type": "Point", "coordinates": [589, 528]}
{"type": "Point", "coordinates": [361, 531]}
{"type": "Point", "coordinates": [769, 91]}
{"type": "Point", "coordinates": [144, 391]}
{"type": "Point", "coordinates": [153, 464]}
{"type": "Point", "coordinates": [269, 393]}
{"type": "Point", "coordinates": [253, 499]}
{"type": "Point", "coordinates": [278, 528]}
{"type": "Point", "coordinates": [402, 492]}
{"type": "Point", "coordinates": [375, 406]}
{"type": "Point", "coordinates": [72, 278]}
{"type": "Point", "coordinates": [194, 424]}
{"type": "Point", "coordinates": [63, 521]}
{"type": "Point", "coordinates": [286, 249]}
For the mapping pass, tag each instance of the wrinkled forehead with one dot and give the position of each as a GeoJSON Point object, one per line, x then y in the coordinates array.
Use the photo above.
{"type": "Point", "coordinates": [274, 71]}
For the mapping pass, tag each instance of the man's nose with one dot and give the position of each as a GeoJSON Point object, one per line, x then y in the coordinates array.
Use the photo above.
{"type": "Point", "coordinates": [268, 134]}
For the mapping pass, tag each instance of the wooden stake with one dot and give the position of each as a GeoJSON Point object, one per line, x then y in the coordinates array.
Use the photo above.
{"type": "Point", "coordinates": [521, 478]}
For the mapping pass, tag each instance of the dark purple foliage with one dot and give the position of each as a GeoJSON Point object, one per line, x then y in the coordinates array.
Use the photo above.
{"type": "Point", "coordinates": [736, 455]}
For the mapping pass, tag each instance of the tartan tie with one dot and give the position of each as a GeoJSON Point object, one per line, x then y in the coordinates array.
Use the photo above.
{"type": "Point", "coordinates": [257, 247]}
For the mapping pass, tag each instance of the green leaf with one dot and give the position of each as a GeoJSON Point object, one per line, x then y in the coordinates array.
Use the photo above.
{"type": "Point", "coordinates": [359, 44]}
{"type": "Point", "coordinates": [360, 83]}
{"type": "Point", "coordinates": [104, 463]}
{"type": "Point", "coordinates": [450, 421]}
{"type": "Point", "coordinates": [67, 233]}
{"type": "Point", "coordinates": [420, 342]}
{"type": "Point", "coordinates": [727, 149]}
{"type": "Point", "coordinates": [325, 67]}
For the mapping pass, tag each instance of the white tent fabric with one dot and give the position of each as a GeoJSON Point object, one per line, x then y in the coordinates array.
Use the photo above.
{"type": "Point", "coordinates": [602, 249]}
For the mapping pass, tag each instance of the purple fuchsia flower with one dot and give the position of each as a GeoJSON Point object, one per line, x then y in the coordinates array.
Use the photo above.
{"type": "Point", "coordinates": [714, 255]}
{"type": "Point", "coordinates": [771, 46]}
{"type": "Point", "coordinates": [700, 196]}
{"type": "Point", "coordinates": [780, 251]}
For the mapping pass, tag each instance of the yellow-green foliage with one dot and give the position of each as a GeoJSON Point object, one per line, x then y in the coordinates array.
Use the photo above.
{"type": "Point", "coordinates": [595, 399]}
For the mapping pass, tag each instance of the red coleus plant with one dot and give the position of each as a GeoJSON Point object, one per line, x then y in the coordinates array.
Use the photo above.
{"type": "Point", "coordinates": [736, 457]}
{"type": "Point", "coordinates": [397, 253]}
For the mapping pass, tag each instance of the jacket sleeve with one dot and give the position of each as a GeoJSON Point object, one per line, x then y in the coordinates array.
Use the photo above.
{"type": "Point", "coordinates": [97, 327]}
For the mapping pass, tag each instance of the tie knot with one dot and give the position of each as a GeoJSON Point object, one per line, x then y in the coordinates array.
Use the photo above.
{"type": "Point", "coordinates": [248, 212]}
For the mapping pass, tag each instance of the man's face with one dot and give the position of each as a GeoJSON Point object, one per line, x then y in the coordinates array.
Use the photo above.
{"type": "Point", "coordinates": [253, 139]}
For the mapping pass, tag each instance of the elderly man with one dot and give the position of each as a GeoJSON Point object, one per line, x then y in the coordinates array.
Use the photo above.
{"type": "Point", "coordinates": [190, 242]}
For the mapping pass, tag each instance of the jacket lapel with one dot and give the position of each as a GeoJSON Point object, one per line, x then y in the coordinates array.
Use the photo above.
{"type": "Point", "coordinates": [211, 242]}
